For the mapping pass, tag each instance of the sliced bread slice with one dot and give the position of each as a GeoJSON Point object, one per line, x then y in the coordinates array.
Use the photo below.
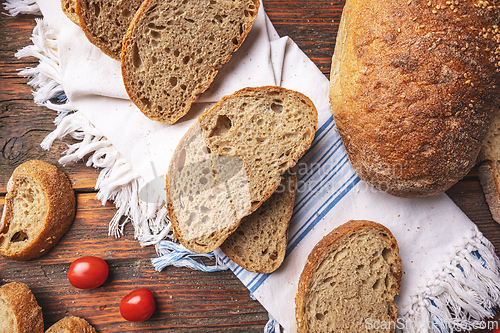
{"type": "Point", "coordinates": [230, 161]}
{"type": "Point", "coordinates": [349, 281]}
{"type": "Point", "coordinates": [69, 8]}
{"type": "Point", "coordinates": [489, 167]}
{"type": "Point", "coordinates": [106, 22]}
{"type": "Point", "coordinates": [173, 50]}
{"type": "Point", "coordinates": [259, 243]}
{"type": "Point", "coordinates": [39, 209]}
{"type": "Point", "coordinates": [19, 310]}
{"type": "Point", "coordinates": [71, 324]}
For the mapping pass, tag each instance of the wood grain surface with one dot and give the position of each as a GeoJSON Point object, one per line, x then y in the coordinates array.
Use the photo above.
{"type": "Point", "coordinates": [187, 300]}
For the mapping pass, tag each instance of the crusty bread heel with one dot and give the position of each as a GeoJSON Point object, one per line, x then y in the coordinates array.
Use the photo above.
{"type": "Point", "coordinates": [19, 310]}
{"type": "Point", "coordinates": [39, 209]}
{"type": "Point", "coordinates": [71, 324]}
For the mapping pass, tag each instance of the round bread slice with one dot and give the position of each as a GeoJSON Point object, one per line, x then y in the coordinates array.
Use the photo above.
{"type": "Point", "coordinates": [71, 324]}
{"type": "Point", "coordinates": [39, 209]}
{"type": "Point", "coordinates": [19, 310]}
{"type": "Point", "coordinates": [230, 161]}
{"type": "Point", "coordinates": [173, 50]}
{"type": "Point", "coordinates": [259, 243]}
{"type": "Point", "coordinates": [349, 281]}
{"type": "Point", "coordinates": [106, 22]}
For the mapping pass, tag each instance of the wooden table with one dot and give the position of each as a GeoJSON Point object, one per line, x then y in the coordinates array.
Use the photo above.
{"type": "Point", "coordinates": [187, 300]}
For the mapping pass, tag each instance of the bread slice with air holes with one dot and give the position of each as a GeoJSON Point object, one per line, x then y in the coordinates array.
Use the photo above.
{"type": "Point", "coordinates": [19, 310]}
{"type": "Point", "coordinates": [69, 9]}
{"type": "Point", "coordinates": [105, 22]}
{"type": "Point", "coordinates": [259, 243]}
{"type": "Point", "coordinates": [173, 50]}
{"type": "Point", "coordinates": [71, 324]}
{"type": "Point", "coordinates": [230, 161]}
{"type": "Point", "coordinates": [349, 280]}
{"type": "Point", "coordinates": [39, 209]}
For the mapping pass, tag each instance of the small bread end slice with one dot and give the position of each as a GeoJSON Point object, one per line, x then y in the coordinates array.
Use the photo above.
{"type": "Point", "coordinates": [19, 310]}
{"type": "Point", "coordinates": [350, 277]}
{"type": "Point", "coordinates": [71, 324]}
{"type": "Point", "coordinates": [69, 8]}
{"type": "Point", "coordinates": [259, 243]}
{"type": "Point", "coordinates": [39, 209]}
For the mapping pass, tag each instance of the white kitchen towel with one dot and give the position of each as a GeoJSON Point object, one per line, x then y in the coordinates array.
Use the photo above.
{"type": "Point", "coordinates": [451, 273]}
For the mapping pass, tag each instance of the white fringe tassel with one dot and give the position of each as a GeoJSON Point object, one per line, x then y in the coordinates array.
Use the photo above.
{"type": "Point", "coordinates": [45, 78]}
{"type": "Point", "coordinates": [16, 7]}
{"type": "Point", "coordinates": [462, 294]}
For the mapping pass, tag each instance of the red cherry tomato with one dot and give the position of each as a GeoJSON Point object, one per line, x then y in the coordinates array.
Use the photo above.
{"type": "Point", "coordinates": [138, 305]}
{"type": "Point", "coordinates": [88, 272]}
{"type": "Point", "coordinates": [496, 330]}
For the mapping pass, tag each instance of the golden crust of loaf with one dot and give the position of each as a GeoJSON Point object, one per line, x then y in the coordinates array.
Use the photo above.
{"type": "Point", "coordinates": [259, 244]}
{"type": "Point", "coordinates": [71, 324]}
{"type": "Point", "coordinates": [361, 265]}
{"type": "Point", "coordinates": [251, 136]}
{"type": "Point", "coordinates": [106, 22]}
{"type": "Point", "coordinates": [173, 50]}
{"type": "Point", "coordinates": [414, 85]}
{"type": "Point", "coordinates": [43, 194]}
{"type": "Point", "coordinates": [19, 310]}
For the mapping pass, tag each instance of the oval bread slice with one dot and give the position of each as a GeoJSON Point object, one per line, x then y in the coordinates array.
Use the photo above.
{"type": "Point", "coordinates": [174, 48]}
{"type": "Point", "coordinates": [349, 281]}
{"type": "Point", "coordinates": [71, 324]}
{"type": "Point", "coordinates": [39, 209]}
{"type": "Point", "coordinates": [230, 161]}
{"type": "Point", "coordinates": [19, 310]}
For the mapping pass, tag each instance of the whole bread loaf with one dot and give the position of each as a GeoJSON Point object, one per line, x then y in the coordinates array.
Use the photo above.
{"type": "Point", "coordinates": [173, 50]}
{"type": "Point", "coordinates": [19, 310]}
{"type": "Point", "coordinates": [106, 22]}
{"type": "Point", "coordinates": [414, 85]}
{"type": "Point", "coordinates": [230, 161]}
{"type": "Point", "coordinates": [39, 209]}
{"type": "Point", "coordinates": [259, 244]}
{"type": "Point", "coordinates": [349, 281]}
{"type": "Point", "coordinates": [71, 324]}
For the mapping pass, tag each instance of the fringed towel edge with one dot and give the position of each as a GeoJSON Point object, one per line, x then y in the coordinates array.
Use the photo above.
{"type": "Point", "coordinates": [16, 7]}
{"type": "Point", "coordinates": [462, 294]}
